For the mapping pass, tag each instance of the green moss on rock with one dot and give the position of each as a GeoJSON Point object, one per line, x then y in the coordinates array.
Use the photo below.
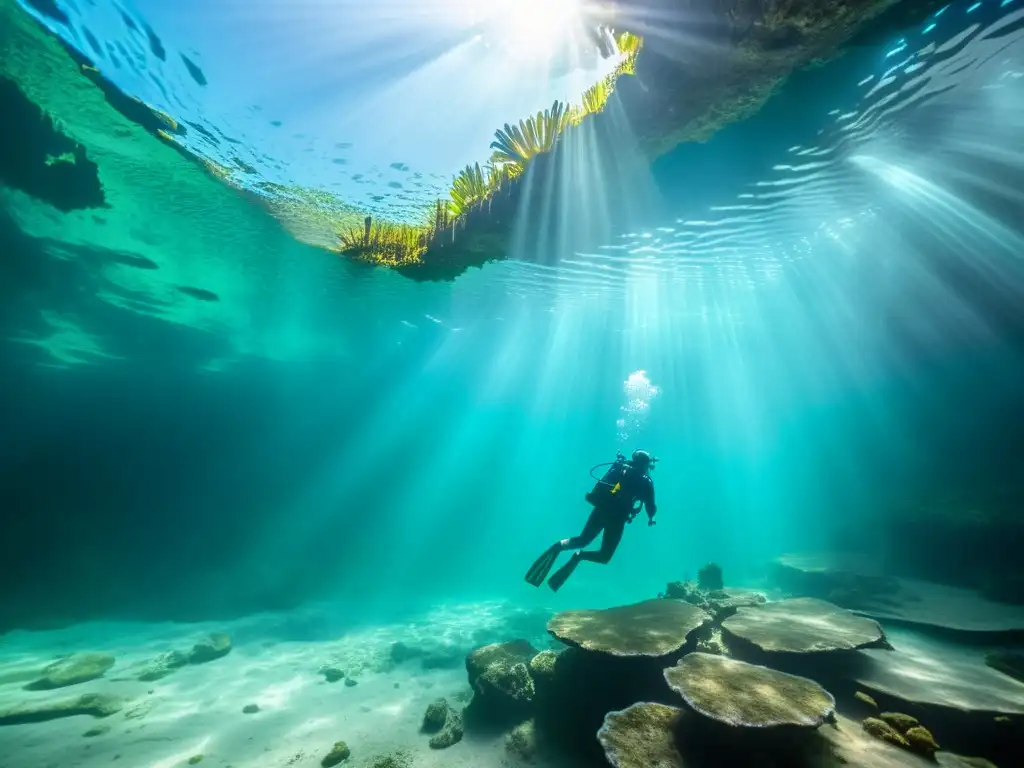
{"type": "Point", "coordinates": [163, 665]}
{"type": "Point", "coordinates": [338, 754]}
{"type": "Point", "coordinates": [435, 716]}
{"type": "Point", "coordinates": [75, 669]}
{"type": "Point", "coordinates": [921, 741]}
{"type": "Point", "coordinates": [521, 741]}
{"type": "Point", "coordinates": [216, 646]}
{"type": "Point", "coordinates": [641, 736]}
{"type": "Point", "coordinates": [93, 704]}
{"type": "Point", "coordinates": [883, 731]}
{"type": "Point", "coordinates": [749, 696]}
{"type": "Point", "coordinates": [899, 721]}
{"type": "Point", "coordinates": [452, 733]}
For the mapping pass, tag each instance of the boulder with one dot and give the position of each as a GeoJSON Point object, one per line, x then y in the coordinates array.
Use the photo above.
{"type": "Point", "coordinates": [521, 742]}
{"type": "Point", "coordinates": [803, 625]}
{"type": "Point", "coordinates": [400, 652]}
{"type": "Point", "coordinates": [72, 670]}
{"type": "Point", "coordinates": [503, 690]}
{"type": "Point", "coordinates": [709, 578]}
{"type": "Point", "coordinates": [163, 665]}
{"type": "Point", "coordinates": [652, 628]}
{"type": "Point", "coordinates": [214, 647]}
{"type": "Point", "coordinates": [641, 736]}
{"type": "Point", "coordinates": [93, 704]}
{"type": "Point", "coordinates": [451, 734]}
{"type": "Point", "coordinates": [542, 666]}
{"type": "Point", "coordinates": [884, 732]}
{"type": "Point", "coordinates": [749, 696]}
{"type": "Point", "coordinates": [339, 753]}
{"type": "Point", "coordinates": [899, 721]}
{"type": "Point", "coordinates": [921, 741]}
{"type": "Point", "coordinates": [435, 716]}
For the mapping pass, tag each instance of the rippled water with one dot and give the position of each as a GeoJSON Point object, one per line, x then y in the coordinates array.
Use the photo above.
{"type": "Point", "coordinates": [850, 168]}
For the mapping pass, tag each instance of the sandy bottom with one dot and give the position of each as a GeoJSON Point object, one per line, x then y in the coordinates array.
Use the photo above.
{"type": "Point", "coordinates": [197, 710]}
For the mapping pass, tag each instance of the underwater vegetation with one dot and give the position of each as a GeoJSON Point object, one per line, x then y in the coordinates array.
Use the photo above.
{"type": "Point", "coordinates": [415, 250]}
{"type": "Point", "coordinates": [680, 93]}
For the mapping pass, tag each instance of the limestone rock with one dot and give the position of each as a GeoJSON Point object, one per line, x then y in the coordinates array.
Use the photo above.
{"type": "Point", "coordinates": [885, 732]}
{"type": "Point", "coordinates": [652, 628]}
{"type": "Point", "coordinates": [542, 666]}
{"type": "Point", "coordinates": [749, 696]}
{"type": "Point", "coordinates": [250, 709]}
{"type": "Point", "coordinates": [686, 591]}
{"type": "Point", "coordinates": [899, 721]}
{"type": "Point", "coordinates": [641, 736]}
{"type": "Point", "coordinates": [452, 733]}
{"type": "Point", "coordinates": [400, 652]}
{"type": "Point", "coordinates": [501, 682]}
{"type": "Point", "coordinates": [72, 670]}
{"type": "Point", "coordinates": [921, 741]}
{"type": "Point", "coordinates": [803, 625]}
{"type": "Point", "coordinates": [723, 603]}
{"type": "Point", "coordinates": [435, 716]}
{"type": "Point", "coordinates": [709, 578]}
{"type": "Point", "coordinates": [965, 683]}
{"type": "Point", "coordinates": [713, 644]}
{"type": "Point", "coordinates": [479, 660]}
{"type": "Point", "coordinates": [332, 674]}
{"type": "Point", "coordinates": [94, 704]}
{"type": "Point", "coordinates": [163, 665]}
{"type": "Point", "coordinates": [521, 742]}
{"type": "Point", "coordinates": [214, 647]}
{"type": "Point", "coordinates": [338, 754]}
{"type": "Point", "coordinates": [865, 699]}
{"type": "Point", "coordinates": [351, 682]}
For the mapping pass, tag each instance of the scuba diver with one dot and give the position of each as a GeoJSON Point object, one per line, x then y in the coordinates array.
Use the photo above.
{"type": "Point", "coordinates": [616, 498]}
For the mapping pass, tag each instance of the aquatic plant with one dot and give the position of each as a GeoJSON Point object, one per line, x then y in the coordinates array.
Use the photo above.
{"type": "Point", "coordinates": [394, 244]}
{"type": "Point", "coordinates": [384, 243]}
{"type": "Point", "coordinates": [473, 185]}
{"type": "Point", "coordinates": [518, 144]}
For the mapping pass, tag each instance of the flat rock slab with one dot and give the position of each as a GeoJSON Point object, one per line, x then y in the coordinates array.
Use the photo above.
{"type": "Point", "coordinates": [910, 601]}
{"type": "Point", "coordinates": [933, 672]}
{"type": "Point", "coordinates": [652, 628]}
{"type": "Point", "coordinates": [937, 605]}
{"type": "Point", "coordinates": [803, 625]}
{"type": "Point", "coordinates": [94, 704]}
{"type": "Point", "coordinates": [747, 695]}
{"type": "Point", "coordinates": [641, 736]}
{"type": "Point", "coordinates": [75, 669]}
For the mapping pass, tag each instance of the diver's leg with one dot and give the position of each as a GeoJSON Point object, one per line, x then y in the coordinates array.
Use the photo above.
{"type": "Point", "coordinates": [609, 543]}
{"type": "Point", "coordinates": [593, 527]}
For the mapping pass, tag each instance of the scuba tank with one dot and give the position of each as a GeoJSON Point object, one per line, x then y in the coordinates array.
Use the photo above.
{"type": "Point", "coordinates": [609, 485]}
{"type": "Point", "coordinates": [607, 488]}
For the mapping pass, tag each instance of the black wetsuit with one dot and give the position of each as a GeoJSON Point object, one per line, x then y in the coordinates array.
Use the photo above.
{"type": "Point", "coordinates": [612, 516]}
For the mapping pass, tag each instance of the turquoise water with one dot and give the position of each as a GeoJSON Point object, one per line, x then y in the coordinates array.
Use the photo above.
{"type": "Point", "coordinates": [814, 323]}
